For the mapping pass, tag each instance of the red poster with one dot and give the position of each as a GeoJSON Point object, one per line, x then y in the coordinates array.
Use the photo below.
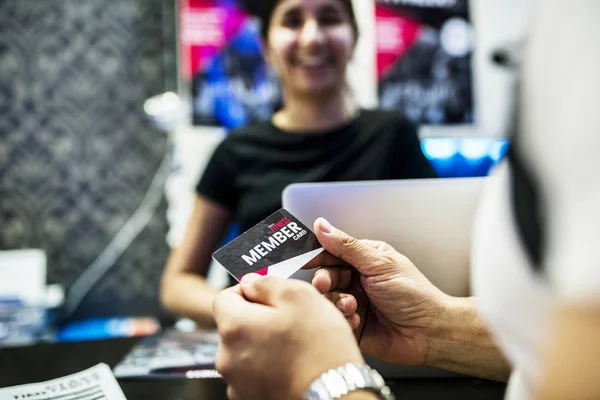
{"type": "Point", "coordinates": [221, 56]}
{"type": "Point", "coordinates": [424, 50]}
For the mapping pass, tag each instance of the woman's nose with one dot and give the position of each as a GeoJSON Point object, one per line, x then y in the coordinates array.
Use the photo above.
{"type": "Point", "coordinates": [311, 33]}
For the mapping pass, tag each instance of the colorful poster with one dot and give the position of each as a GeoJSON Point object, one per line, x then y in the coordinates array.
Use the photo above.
{"type": "Point", "coordinates": [424, 50]}
{"type": "Point", "coordinates": [221, 56]}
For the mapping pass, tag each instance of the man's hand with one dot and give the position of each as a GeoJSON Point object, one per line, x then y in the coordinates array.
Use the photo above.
{"type": "Point", "coordinates": [402, 303]}
{"type": "Point", "coordinates": [277, 336]}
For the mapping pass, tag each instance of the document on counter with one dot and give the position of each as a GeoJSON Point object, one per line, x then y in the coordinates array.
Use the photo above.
{"type": "Point", "coordinates": [172, 355]}
{"type": "Point", "coordinates": [96, 383]}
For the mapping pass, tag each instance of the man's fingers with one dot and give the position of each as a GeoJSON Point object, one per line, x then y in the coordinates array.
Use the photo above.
{"type": "Point", "coordinates": [271, 291]}
{"type": "Point", "coordinates": [261, 289]}
{"type": "Point", "coordinates": [232, 310]}
{"type": "Point", "coordinates": [332, 279]}
{"type": "Point", "coordinates": [376, 244]}
{"type": "Point", "coordinates": [232, 394]}
{"type": "Point", "coordinates": [354, 321]}
{"type": "Point", "coordinates": [325, 259]}
{"type": "Point", "coordinates": [228, 303]}
{"type": "Point", "coordinates": [344, 302]}
{"type": "Point", "coordinates": [343, 246]}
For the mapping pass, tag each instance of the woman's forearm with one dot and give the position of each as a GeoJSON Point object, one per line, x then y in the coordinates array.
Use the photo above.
{"type": "Point", "coordinates": [189, 295]}
{"type": "Point", "coordinates": [572, 356]}
{"type": "Point", "coordinates": [460, 342]}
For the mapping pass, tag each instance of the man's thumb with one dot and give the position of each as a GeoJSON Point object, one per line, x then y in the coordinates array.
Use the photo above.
{"type": "Point", "coordinates": [343, 246]}
{"type": "Point", "coordinates": [260, 289]}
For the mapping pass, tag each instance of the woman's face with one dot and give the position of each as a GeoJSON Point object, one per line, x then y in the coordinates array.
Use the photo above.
{"type": "Point", "coordinates": [310, 43]}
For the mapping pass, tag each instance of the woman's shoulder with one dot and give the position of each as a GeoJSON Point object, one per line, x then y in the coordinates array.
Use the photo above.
{"type": "Point", "coordinates": [239, 140]}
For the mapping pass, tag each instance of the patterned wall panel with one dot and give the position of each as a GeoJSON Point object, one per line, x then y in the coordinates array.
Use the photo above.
{"type": "Point", "coordinates": [76, 154]}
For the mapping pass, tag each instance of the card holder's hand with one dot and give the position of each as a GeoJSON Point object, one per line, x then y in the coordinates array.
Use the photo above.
{"type": "Point", "coordinates": [396, 305]}
{"type": "Point", "coordinates": [277, 336]}
{"type": "Point", "coordinates": [341, 285]}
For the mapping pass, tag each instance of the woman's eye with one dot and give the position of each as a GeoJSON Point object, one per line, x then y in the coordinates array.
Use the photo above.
{"type": "Point", "coordinates": [292, 20]}
{"type": "Point", "coordinates": [330, 19]}
{"type": "Point", "coordinates": [330, 16]}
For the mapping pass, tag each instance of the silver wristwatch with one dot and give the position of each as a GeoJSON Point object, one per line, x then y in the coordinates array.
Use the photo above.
{"type": "Point", "coordinates": [348, 378]}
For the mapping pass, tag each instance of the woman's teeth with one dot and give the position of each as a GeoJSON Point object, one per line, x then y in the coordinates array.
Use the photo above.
{"type": "Point", "coordinates": [314, 62]}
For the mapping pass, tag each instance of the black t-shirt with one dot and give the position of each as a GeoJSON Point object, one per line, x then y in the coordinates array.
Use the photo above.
{"type": "Point", "coordinates": [251, 167]}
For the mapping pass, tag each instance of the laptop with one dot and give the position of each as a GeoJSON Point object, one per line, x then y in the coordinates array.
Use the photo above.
{"type": "Point", "coordinates": [428, 220]}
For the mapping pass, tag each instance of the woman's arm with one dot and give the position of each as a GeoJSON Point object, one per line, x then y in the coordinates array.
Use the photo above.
{"type": "Point", "coordinates": [572, 359]}
{"type": "Point", "coordinates": [184, 291]}
{"type": "Point", "coordinates": [562, 97]}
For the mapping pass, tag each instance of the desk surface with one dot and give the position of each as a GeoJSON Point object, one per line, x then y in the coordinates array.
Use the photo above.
{"type": "Point", "coordinates": [21, 365]}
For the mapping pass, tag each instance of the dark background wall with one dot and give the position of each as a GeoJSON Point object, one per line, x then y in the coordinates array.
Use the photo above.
{"type": "Point", "coordinates": [76, 153]}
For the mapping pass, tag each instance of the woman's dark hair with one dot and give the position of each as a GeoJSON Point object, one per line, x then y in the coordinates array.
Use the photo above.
{"type": "Point", "coordinates": [267, 7]}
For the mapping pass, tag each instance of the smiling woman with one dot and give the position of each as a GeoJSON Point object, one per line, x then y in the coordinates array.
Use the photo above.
{"type": "Point", "coordinates": [318, 135]}
{"type": "Point", "coordinates": [310, 43]}
{"type": "Point", "coordinates": [314, 37]}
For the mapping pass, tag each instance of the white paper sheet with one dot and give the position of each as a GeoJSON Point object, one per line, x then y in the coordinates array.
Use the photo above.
{"type": "Point", "coordinates": [96, 383]}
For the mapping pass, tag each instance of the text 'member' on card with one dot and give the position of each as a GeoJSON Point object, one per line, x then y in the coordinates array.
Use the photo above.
{"type": "Point", "coordinates": [279, 246]}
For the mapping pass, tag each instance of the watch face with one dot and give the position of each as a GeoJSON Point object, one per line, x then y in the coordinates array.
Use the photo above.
{"type": "Point", "coordinates": [339, 382]}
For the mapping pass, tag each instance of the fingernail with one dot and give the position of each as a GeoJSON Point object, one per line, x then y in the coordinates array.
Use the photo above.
{"type": "Point", "coordinates": [325, 226]}
{"type": "Point", "coordinates": [340, 304]}
{"type": "Point", "coordinates": [250, 278]}
{"type": "Point", "coordinates": [316, 276]}
{"type": "Point", "coordinates": [318, 272]}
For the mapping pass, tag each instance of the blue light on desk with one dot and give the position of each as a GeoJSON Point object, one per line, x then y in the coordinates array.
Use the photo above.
{"type": "Point", "coordinates": [453, 157]}
{"type": "Point", "coordinates": [107, 328]}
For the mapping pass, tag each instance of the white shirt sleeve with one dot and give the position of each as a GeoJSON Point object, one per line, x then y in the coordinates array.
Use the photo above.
{"type": "Point", "coordinates": [561, 140]}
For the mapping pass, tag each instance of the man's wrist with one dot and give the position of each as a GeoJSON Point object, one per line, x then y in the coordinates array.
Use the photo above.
{"type": "Point", "coordinates": [437, 333]}
{"type": "Point", "coordinates": [351, 379]}
{"type": "Point", "coordinates": [309, 374]}
{"type": "Point", "coordinates": [460, 341]}
{"type": "Point", "coordinates": [361, 395]}
{"type": "Point", "coordinates": [453, 327]}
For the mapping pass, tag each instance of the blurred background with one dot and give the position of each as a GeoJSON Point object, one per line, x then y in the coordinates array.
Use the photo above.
{"type": "Point", "coordinates": [110, 109]}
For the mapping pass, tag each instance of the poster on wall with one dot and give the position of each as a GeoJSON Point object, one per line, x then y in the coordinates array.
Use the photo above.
{"type": "Point", "coordinates": [221, 58]}
{"type": "Point", "coordinates": [424, 50]}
